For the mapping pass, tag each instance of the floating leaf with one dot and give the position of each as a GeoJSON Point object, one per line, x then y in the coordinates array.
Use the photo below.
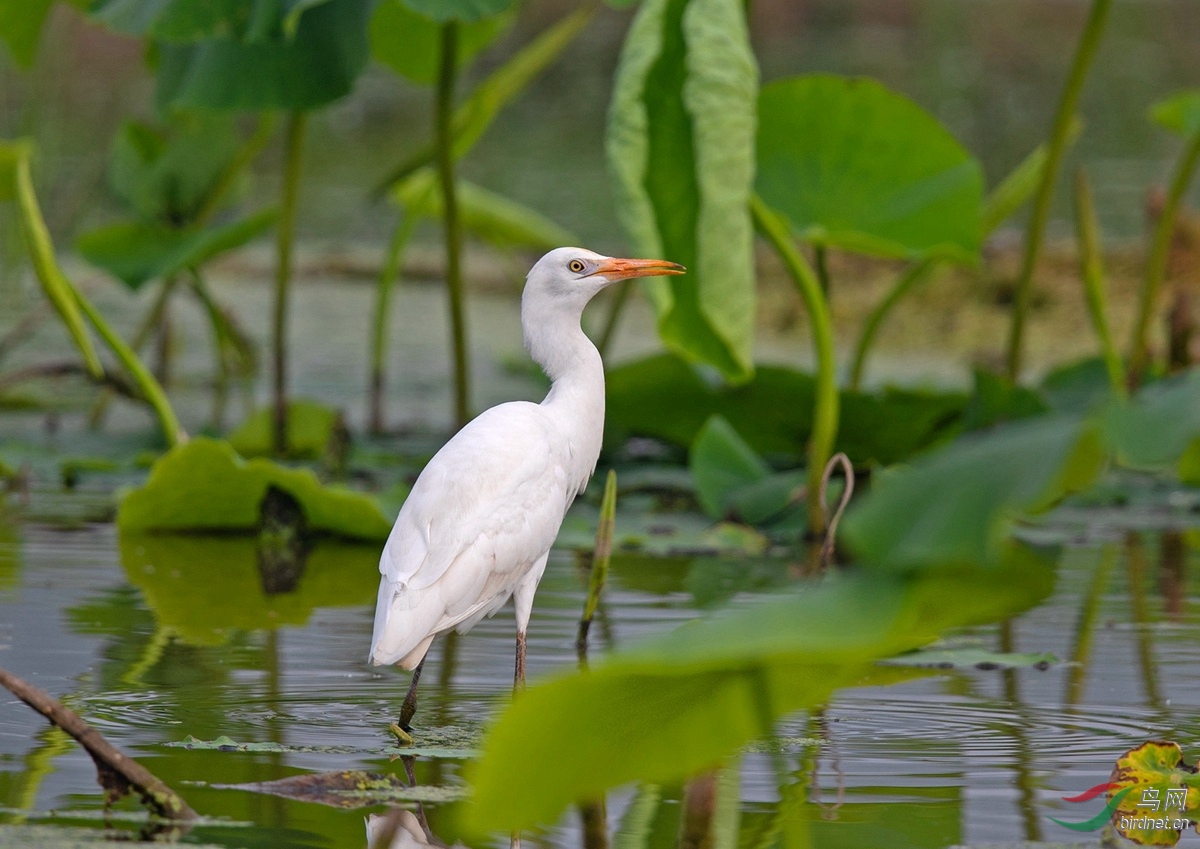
{"type": "Point", "coordinates": [203, 485]}
{"type": "Point", "coordinates": [136, 252]}
{"type": "Point", "coordinates": [228, 744]}
{"type": "Point", "coordinates": [853, 165]}
{"type": "Point", "coordinates": [348, 789]}
{"type": "Point", "coordinates": [687, 699]}
{"type": "Point", "coordinates": [1179, 113]}
{"type": "Point", "coordinates": [972, 658]}
{"type": "Point", "coordinates": [680, 145]}
{"type": "Point", "coordinates": [1139, 785]}
{"type": "Point", "coordinates": [957, 505]}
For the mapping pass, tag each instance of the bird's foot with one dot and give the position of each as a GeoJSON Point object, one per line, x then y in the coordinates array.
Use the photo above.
{"type": "Point", "coordinates": [402, 733]}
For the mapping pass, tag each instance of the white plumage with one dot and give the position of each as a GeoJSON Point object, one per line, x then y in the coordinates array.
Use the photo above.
{"type": "Point", "coordinates": [479, 522]}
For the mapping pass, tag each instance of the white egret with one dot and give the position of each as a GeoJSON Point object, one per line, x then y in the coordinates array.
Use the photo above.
{"type": "Point", "coordinates": [479, 522]}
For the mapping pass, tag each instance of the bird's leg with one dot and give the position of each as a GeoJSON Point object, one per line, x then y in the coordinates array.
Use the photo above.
{"type": "Point", "coordinates": [409, 708]}
{"type": "Point", "coordinates": [519, 676]}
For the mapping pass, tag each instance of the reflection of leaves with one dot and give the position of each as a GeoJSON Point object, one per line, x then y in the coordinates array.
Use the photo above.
{"type": "Point", "coordinates": [688, 698]}
{"type": "Point", "coordinates": [348, 789]}
{"type": "Point", "coordinates": [204, 588]}
{"type": "Point", "coordinates": [203, 485]}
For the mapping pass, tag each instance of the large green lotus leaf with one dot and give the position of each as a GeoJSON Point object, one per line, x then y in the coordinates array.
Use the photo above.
{"type": "Point", "coordinates": [1179, 113]}
{"type": "Point", "coordinates": [958, 504]}
{"type": "Point", "coordinates": [1081, 387]}
{"type": "Point", "coordinates": [410, 43]}
{"type": "Point", "coordinates": [688, 699]}
{"type": "Point", "coordinates": [996, 400]}
{"type": "Point", "coordinates": [316, 64]}
{"type": "Point", "coordinates": [1159, 425]}
{"type": "Point", "coordinates": [680, 144]}
{"type": "Point", "coordinates": [203, 485]}
{"type": "Point", "coordinates": [167, 174]}
{"type": "Point", "coordinates": [663, 397]}
{"type": "Point", "coordinates": [853, 165]}
{"type": "Point", "coordinates": [207, 588]}
{"type": "Point", "coordinates": [135, 252]}
{"type": "Point", "coordinates": [487, 215]}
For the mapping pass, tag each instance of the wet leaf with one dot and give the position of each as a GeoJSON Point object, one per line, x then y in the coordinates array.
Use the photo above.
{"type": "Point", "coordinates": [686, 699]}
{"type": "Point", "coordinates": [203, 485]}
{"type": "Point", "coordinates": [957, 505]}
{"type": "Point", "coordinates": [680, 144]}
{"type": "Point", "coordinates": [348, 789]}
{"type": "Point", "coordinates": [973, 658]}
{"type": "Point", "coordinates": [853, 165]}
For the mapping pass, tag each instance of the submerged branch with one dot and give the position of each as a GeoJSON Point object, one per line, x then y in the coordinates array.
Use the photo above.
{"type": "Point", "coordinates": [118, 774]}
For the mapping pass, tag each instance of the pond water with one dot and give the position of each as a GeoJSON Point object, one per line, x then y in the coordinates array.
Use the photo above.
{"type": "Point", "coordinates": [155, 639]}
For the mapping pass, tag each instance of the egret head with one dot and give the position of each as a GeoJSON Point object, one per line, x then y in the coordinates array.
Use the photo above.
{"type": "Point", "coordinates": [573, 275]}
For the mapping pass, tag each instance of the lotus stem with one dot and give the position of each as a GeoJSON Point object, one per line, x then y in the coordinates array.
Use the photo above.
{"type": "Point", "coordinates": [379, 332]}
{"type": "Point", "coordinates": [444, 140]}
{"type": "Point", "coordinates": [284, 242]}
{"type": "Point", "coordinates": [825, 412]}
{"type": "Point", "coordinates": [1059, 140]}
{"type": "Point", "coordinates": [912, 275]}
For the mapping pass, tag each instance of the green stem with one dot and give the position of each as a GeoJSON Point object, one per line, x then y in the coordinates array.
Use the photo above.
{"type": "Point", "coordinates": [821, 260]}
{"type": "Point", "coordinates": [379, 332]}
{"type": "Point", "coordinates": [1091, 268]}
{"type": "Point", "coordinates": [1156, 265]}
{"type": "Point", "coordinates": [615, 309]}
{"type": "Point", "coordinates": [913, 275]}
{"type": "Point", "coordinates": [825, 413]}
{"type": "Point", "coordinates": [284, 238]}
{"type": "Point", "coordinates": [600, 560]}
{"type": "Point", "coordinates": [1059, 137]}
{"type": "Point", "coordinates": [444, 139]}
{"type": "Point", "coordinates": [150, 388]}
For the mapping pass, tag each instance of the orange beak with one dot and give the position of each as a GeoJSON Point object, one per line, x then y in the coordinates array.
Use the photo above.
{"type": "Point", "coordinates": [624, 269]}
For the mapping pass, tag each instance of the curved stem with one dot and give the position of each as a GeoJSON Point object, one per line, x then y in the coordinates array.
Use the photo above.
{"type": "Point", "coordinates": [1059, 136]}
{"type": "Point", "coordinates": [284, 237]}
{"type": "Point", "coordinates": [1156, 264]}
{"type": "Point", "coordinates": [379, 332]}
{"type": "Point", "coordinates": [912, 275]}
{"type": "Point", "coordinates": [444, 140]}
{"type": "Point", "coordinates": [825, 412]}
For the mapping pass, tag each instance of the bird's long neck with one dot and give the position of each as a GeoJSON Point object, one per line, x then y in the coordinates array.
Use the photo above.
{"type": "Point", "coordinates": [573, 364]}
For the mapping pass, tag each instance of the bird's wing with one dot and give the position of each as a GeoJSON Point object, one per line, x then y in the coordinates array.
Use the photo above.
{"type": "Point", "coordinates": [498, 486]}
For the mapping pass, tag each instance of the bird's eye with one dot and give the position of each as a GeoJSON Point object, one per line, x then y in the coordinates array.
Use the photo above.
{"type": "Point", "coordinates": [576, 266]}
